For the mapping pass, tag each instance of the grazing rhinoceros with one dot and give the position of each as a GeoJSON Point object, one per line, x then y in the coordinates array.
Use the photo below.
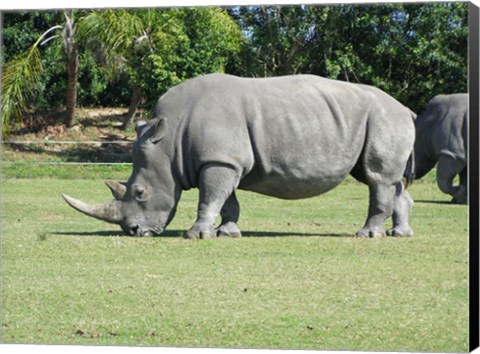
{"type": "Point", "coordinates": [288, 137]}
{"type": "Point", "coordinates": [442, 137]}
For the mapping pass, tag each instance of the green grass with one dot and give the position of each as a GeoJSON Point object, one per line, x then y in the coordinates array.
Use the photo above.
{"type": "Point", "coordinates": [298, 279]}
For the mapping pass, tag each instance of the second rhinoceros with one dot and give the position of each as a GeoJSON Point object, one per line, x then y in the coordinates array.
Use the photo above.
{"type": "Point", "coordinates": [288, 137]}
{"type": "Point", "coordinates": [441, 137]}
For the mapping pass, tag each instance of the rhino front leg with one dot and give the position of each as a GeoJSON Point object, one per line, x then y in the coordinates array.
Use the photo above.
{"type": "Point", "coordinates": [230, 213]}
{"type": "Point", "coordinates": [379, 209]}
{"type": "Point", "coordinates": [402, 207]}
{"type": "Point", "coordinates": [216, 184]}
{"type": "Point", "coordinates": [447, 168]}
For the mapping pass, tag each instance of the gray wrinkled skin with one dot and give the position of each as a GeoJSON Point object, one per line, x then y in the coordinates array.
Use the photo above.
{"type": "Point", "coordinates": [442, 133]}
{"type": "Point", "coordinates": [288, 137]}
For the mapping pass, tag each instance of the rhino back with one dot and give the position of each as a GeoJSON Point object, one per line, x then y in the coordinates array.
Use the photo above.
{"type": "Point", "coordinates": [289, 137]}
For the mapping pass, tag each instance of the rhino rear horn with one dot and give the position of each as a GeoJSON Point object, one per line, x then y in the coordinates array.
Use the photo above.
{"type": "Point", "coordinates": [109, 212]}
{"type": "Point", "coordinates": [118, 189]}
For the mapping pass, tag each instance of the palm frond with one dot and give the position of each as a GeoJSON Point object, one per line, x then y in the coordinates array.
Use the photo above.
{"type": "Point", "coordinates": [113, 32]}
{"type": "Point", "coordinates": [116, 29]}
{"type": "Point", "coordinates": [21, 76]}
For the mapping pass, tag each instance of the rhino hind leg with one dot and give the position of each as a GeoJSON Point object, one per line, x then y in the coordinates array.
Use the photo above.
{"type": "Point", "coordinates": [380, 208]}
{"type": "Point", "coordinates": [463, 199]}
{"type": "Point", "coordinates": [230, 214]}
{"type": "Point", "coordinates": [402, 208]}
{"type": "Point", "coordinates": [447, 168]}
{"type": "Point", "coordinates": [216, 185]}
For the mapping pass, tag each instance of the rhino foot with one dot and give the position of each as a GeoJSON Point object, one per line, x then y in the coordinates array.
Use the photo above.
{"type": "Point", "coordinates": [229, 229]}
{"type": "Point", "coordinates": [399, 231]}
{"type": "Point", "coordinates": [199, 235]}
{"type": "Point", "coordinates": [373, 233]}
{"type": "Point", "coordinates": [460, 200]}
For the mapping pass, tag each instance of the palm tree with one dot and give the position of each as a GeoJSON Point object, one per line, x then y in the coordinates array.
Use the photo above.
{"type": "Point", "coordinates": [127, 39]}
{"type": "Point", "coordinates": [22, 74]}
{"type": "Point", "coordinates": [156, 49]}
{"type": "Point", "coordinates": [71, 50]}
{"type": "Point", "coordinates": [160, 48]}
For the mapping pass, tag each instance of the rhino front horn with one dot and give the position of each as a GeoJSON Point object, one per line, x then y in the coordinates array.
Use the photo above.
{"type": "Point", "coordinates": [109, 212]}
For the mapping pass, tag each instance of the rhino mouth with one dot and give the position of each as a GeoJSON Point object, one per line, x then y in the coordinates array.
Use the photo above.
{"type": "Point", "coordinates": [139, 231]}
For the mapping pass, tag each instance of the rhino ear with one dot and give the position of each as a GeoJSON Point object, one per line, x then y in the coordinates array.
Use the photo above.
{"type": "Point", "coordinates": [159, 130]}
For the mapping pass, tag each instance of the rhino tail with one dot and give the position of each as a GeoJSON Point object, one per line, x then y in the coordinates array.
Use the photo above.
{"type": "Point", "coordinates": [413, 114]}
{"type": "Point", "coordinates": [409, 173]}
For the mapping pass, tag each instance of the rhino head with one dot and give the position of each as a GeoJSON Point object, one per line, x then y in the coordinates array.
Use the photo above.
{"type": "Point", "coordinates": [146, 204]}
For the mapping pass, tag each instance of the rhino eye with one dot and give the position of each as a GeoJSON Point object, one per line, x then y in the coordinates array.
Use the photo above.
{"type": "Point", "coordinates": [140, 193]}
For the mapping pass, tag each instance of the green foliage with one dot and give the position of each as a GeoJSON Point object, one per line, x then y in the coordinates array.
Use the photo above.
{"type": "Point", "coordinates": [158, 49]}
{"type": "Point", "coordinates": [24, 63]}
{"type": "Point", "coordinates": [276, 39]}
{"type": "Point", "coordinates": [92, 81]}
{"type": "Point", "coordinates": [49, 92]}
{"type": "Point", "coordinates": [21, 76]}
{"type": "Point", "coordinates": [35, 74]}
{"type": "Point", "coordinates": [212, 37]}
{"type": "Point", "coordinates": [52, 85]}
{"type": "Point", "coordinates": [22, 29]}
{"type": "Point", "coordinates": [412, 51]}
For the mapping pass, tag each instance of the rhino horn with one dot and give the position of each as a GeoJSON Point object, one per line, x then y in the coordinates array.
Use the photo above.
{"type": "Point", "coordinates": [118, 189]}
{"type": "Point", "coordinates": [109, 212]}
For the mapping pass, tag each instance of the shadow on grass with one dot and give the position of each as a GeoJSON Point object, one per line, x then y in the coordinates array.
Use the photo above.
{"type": "Point", "coordinates": [445, 202]}
{"type": "Point", "coordinates": [173, 233]}
{"type": "Point", "coordinates": [103, 152]}
{"type": "Point", "coordinates": [287, 234]}
{"type": "Point", "coordinates": [179, 233]}
{"type": "Point", "coordinates": [110, 143]}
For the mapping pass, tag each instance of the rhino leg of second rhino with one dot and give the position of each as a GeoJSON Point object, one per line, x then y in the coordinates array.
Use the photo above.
{"type": "Point", "coordinates": [463, 184]}
{"type": "Point", "coordinates": [230, 213]}
{"type": "Point", "coordinates": [402, 207]}
{"type": "Point", "coordinates": [216, 184]}
{"type": "Point", "coordinates": [379, 209]}
{"type": "Point", "coordinates": [447, 168]}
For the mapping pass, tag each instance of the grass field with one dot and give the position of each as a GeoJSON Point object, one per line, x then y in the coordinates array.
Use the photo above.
{"type": "Point", "coordinates": [298, 279]}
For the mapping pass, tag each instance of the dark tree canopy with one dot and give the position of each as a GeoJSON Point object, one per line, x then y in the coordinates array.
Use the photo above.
{"type": "Point", "coordinates": [412, 51]}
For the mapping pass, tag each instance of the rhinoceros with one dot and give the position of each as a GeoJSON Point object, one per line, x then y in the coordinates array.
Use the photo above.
{"type": "Point", "coordinates": [288, 137]}
{"type": "Point", "coordinates": [441, 136]}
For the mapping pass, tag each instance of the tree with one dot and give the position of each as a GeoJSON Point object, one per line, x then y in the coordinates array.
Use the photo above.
{"type": "Point", "coordinates": [148, 50]}
{"type": "Point", "coordinates": [22, 74]}
{"type": "Point", "coordinates": [412, 51]}
{"type": "Point", "coordinates": [121, 36]}
{"type": "Point", "coordinates": [161, 48]}
{"type": "Point", "coordinates": [71, 50]}
{"type": "Point", "coordinates": [277, 39]}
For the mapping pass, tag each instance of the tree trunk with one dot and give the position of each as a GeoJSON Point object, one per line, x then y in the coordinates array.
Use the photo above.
{"type": "Point", "coordinates": [71, 50]}
{"type": "Point", "coordinates": [72, 71]}
{"type": "Point", "coordinates": [132, 109]}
